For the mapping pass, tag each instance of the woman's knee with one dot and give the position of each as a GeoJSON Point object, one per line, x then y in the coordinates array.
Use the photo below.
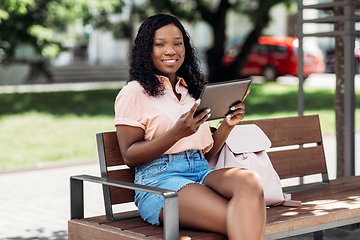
{"type": "Point", "coordinates": [235, 181]}
{"type": "Point", "coordinates": [251, 182]}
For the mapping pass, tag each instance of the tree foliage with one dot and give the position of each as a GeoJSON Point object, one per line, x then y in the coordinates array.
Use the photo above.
{"type": "Point", "coordinates": [33, 23]}
{"type": "Point", "coordinates": [215, 13]}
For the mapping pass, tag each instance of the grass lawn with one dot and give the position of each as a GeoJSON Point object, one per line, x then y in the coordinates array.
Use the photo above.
{"type": "Point", "coordinates": [59, 127]}
{"type": "Point", "coordinates": [37, 139]}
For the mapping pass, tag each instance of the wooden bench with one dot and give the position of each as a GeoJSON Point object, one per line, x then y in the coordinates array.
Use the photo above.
{"type": "Point", "coordinates": [297, 151]}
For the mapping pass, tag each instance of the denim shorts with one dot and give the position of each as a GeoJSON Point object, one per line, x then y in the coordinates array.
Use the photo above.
{"type": "Point", "coordinates": [170, 171]}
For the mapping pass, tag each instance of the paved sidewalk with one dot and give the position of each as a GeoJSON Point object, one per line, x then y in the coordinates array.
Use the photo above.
{"type": "Point", "coordinates": [36, 204]}
{"type": "Point", "coordinates": [60, 87]}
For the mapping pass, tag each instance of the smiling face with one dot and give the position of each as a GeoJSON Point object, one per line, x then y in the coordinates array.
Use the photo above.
{"type": "Point", "coordinates": [168, 51]}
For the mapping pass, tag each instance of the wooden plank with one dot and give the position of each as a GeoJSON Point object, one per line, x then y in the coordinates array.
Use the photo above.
{"type": "Point", "coordinates": [341, 202]}
{"type": "Point", "coordinates": [196, 235]}
{"type": "Point", "coordinates": [328, 192]}
{"type": "Point", "coordinates": [291, 130]}
{"type": "Point", "coordinates": [82, 229]}
{"type": "Point", "coordinates": [112, 149]}
{"type": "Point", "coordinates": [298, 162]}
{"type": "Point", "coordinates": [340, 186]}
{"type": "Point", "coordinates": [327, 213]}
{"type": "Point", "coordinates": [128, 223]}
{"type": "Point", "coordinates": [139, 226]}
{"type": "Point", "coordinates": [313, 208]}
{"type": "Point", "coordinates": [148, 230]}
{"type": "Point", "coordinates": [345, 180]}
{"type": "Point", "coordinates": [136, 223]}
{"type": "Point", "coordinates": [122, 195]}
{"type": "Point", "coordinates": [97, 219]}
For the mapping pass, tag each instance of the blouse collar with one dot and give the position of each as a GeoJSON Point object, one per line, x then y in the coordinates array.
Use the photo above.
{"type": "Point", "coordinates": [166, 80]}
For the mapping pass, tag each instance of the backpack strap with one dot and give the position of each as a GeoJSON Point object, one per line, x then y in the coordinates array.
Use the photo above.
{"type": "Point", "coordinates": [290, 203]}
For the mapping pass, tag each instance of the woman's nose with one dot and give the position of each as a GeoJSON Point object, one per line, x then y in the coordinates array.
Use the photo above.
{"type": "Point", "coordinates": [170, 51]}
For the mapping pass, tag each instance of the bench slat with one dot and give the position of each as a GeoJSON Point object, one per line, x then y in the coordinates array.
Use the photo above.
{"type": "Point", "coordinates": [128, 223]}
{"type": "Point", "coordinates": [112, 149]}
{"type": "Point", "coordinates": [324, 194]}
{"type": "Point", "coordinates": [194, 235]}
{"type": "Point", "coordinates": [314, 213]}
{"type": "Point", "coordinates": [122, 195]}
{"type": "Point", "coordinates": [82, 229]}
{"type": "Point", "coordinates": [291, 130]}
{"type": "Point", "coordinates": [147, 231]}
{"type": "Point", "coordinates": [138, 225]}
{"type": "Point", "coordinates": [341, 188]}
{"type": "Point", "coordinates": [298, 162]}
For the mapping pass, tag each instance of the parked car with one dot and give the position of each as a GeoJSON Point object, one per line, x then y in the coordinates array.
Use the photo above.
{"type": "Point", "coordinates": [277, 56]}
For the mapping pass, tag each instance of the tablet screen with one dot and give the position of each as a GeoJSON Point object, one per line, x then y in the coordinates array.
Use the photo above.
{"type": "Point", "coordinates": [219, 97]}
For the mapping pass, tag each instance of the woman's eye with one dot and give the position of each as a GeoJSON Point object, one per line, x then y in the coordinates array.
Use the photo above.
{"type": "Point", "coordinates": [179, 43]}
{"type": "Point", "coordinates": [158, 44]}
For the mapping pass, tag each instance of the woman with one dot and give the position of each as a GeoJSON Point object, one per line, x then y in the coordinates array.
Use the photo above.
{"type": "Point", "coordinates": [159, 136]}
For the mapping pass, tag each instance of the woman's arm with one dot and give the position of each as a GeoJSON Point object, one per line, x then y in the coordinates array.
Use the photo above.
{"type": "Point", "coordinates": [136, 151]}
{"type": "Point", "coordinates": [221, 134]}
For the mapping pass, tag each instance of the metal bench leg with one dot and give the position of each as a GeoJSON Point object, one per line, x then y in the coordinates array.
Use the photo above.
{"type": "Point", "coordinates": [171, 216]}
{"type": "Point", "coordinates": [318, 235]}
{"type": "Point", "coordinates": [76, 198]}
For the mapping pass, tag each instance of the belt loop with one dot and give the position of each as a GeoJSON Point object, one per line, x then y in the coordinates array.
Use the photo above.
{"type": "Point", "coordinates": [187, 154]}
{"type": "Point", "coordinates": [170, 157]}
{"type": "Point", "coordinates": [201, 154]}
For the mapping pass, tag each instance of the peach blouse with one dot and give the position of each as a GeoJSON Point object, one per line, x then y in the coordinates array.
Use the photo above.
{"type": "Point", "coordinates": [155, 115]}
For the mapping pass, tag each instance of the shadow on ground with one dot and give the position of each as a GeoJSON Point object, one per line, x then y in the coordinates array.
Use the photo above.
{"type": "Point", "coordinates": [57, 235]}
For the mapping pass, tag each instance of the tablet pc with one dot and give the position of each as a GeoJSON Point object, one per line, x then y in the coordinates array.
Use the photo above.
{"type": "Point", "coordinates": [219, 97]}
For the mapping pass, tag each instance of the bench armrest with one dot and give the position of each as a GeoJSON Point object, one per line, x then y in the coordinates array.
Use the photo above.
{"type": "Point", "coordinates": [171, 208]}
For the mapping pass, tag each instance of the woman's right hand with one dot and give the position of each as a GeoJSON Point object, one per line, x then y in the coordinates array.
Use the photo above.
{"type": "Point", "coordinates": [187, 124]}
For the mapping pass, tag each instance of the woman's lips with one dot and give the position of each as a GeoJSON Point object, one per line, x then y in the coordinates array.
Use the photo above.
{"type": "Point", "coordinates": [169, 61]}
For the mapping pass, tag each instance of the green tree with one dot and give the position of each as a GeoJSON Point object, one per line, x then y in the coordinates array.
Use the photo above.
{"type": "Point", "coordinates": [215, 13]}
{"type": "Point", "coordinates": [33, 24]}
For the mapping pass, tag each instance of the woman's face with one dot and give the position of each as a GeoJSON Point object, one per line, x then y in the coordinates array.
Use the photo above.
{"type": "Point", "coordinates": [168, 50]}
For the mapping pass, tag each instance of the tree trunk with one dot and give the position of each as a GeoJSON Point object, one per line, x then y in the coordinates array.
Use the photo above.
{"type": "Point", "coordinates": [339, 95]}
{"type": "Point", "coordinates": [233, 71]}
{"type": "Point", "coordinates": [215, 54]}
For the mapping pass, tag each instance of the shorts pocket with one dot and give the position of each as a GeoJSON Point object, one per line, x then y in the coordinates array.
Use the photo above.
{"type": "Point", "coordinates": [154, 169]}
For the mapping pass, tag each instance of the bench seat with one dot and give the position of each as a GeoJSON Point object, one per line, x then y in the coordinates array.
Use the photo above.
{"type": "Point", "coordinates": [322, 208]}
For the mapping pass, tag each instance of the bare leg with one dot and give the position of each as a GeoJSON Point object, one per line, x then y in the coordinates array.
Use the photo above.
{"type": "Point", "coordinates": [231, 203]}
{"type": "Point", "coordinates": [201, 208]}
{"type": "Point", "coordinates": [246, 211]}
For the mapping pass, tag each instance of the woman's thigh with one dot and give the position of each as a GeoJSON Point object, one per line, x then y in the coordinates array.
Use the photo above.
{"type": "Point", "coordinates": [230, 181]}
{"type": "Point", "coordinates": [201, 208]}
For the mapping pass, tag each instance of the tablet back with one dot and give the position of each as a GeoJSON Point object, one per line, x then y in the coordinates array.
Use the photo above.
{"type": "Point", "coordinates": [219, 97]}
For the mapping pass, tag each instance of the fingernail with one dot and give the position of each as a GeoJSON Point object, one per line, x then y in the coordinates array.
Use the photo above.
{"type": "Point", "coordinates": [228, 117]}
{"type": "Point", "coordinates": [198, 101]}
{"type": "Point", "coordinates": [232, 108]}
{"type": "Point", "coordinates": [208, 110]}
{"type": "Point", "coordinates": [209, 115]}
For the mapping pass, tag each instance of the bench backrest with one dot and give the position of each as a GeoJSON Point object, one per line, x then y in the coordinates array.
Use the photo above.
{"type": "Point", "coordinates": [296, 151]}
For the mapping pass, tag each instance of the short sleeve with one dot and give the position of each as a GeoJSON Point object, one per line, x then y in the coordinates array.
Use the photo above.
{"type": "Point", "coordinates": [127, 112]}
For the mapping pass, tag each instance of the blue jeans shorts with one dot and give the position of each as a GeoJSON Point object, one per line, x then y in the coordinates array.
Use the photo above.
{"type": "Point", "coordinates": [170, 171]}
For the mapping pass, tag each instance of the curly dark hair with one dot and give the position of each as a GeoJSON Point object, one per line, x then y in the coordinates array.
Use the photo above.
{"type": "Point", "coordinates": [141, 65]}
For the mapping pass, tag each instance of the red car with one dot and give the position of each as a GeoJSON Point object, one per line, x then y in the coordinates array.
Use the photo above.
{"type": "Point", "coordinates": [277, 56]}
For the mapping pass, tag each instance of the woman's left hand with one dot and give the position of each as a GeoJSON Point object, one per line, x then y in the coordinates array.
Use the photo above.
{"type": "Point", "coordinates": [237, 112]}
